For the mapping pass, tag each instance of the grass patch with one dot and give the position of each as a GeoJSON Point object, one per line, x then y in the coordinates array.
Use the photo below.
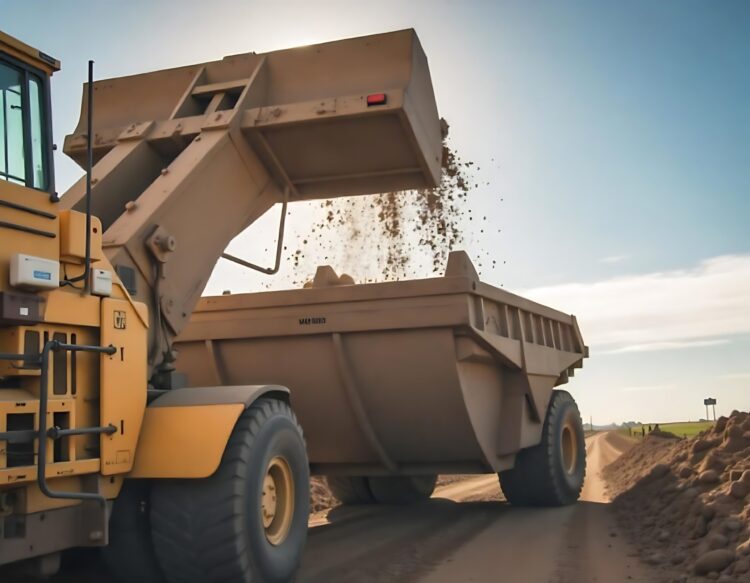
{"type": "Point", "coordinates": [690, 429]}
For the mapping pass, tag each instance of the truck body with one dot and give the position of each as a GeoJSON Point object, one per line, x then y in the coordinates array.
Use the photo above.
{"type": "Point", "coordinates": [419, 377]}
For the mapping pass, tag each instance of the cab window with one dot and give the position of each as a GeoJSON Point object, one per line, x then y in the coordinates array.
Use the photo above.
{"type": "Point", "coordinates": [23, 128]}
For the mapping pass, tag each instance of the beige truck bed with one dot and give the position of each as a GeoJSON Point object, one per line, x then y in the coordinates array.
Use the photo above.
{"type": "Point", "coordinates": [442, 375]}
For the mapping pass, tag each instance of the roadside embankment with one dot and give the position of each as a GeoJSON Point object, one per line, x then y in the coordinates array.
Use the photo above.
{"type": "Point", "coordinates": [685, 503]}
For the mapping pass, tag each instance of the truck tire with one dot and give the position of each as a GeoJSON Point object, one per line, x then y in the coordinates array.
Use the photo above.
{"type": "Point", "coordinates": [248, 521]}
{"type": "Point", "coordinates": [551, 473]}
{"type": "Point", "coordinates": [402, 489]}
{"type": "Point", "coordinates": [350, 489]}
{"type": "Point", "coordinates": [130, 536]}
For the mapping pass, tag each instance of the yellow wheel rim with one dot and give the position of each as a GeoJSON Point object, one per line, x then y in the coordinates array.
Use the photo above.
{"type": "Point", "coordinates": [569, 446]}
{"type": "Point", "coordinates": [277, 504]}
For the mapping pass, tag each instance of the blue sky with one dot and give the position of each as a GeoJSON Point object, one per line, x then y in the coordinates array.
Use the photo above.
{"type": "Point", "coordinates": [616, 133]}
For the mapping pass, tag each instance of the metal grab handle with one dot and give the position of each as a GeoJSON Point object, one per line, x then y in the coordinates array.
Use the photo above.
{"type": "Point", "coordinates": [59, 432]}
{"type": "Point", "coordinates": [28, 358]}
{"type": "Point", "coordinates": [19, 436]}
{"type": "Point", "coordinates": [42, 432]}
{"type": "Point", "coordinates": [279, 245]}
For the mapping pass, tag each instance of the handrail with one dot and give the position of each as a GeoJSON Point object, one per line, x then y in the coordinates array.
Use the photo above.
{"type": "Point", "coordinates": [55, 433]}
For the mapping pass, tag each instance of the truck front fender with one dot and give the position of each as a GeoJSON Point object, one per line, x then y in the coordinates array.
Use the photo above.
{"type": "Point", "coordinates": [185, 431]}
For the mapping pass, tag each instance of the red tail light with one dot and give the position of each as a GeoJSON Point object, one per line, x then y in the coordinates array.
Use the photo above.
{"type": "Point", "coordinates": [376, 99]}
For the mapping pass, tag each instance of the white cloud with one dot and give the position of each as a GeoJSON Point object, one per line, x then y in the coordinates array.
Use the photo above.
{"type": "Point", "coordinates": [614, 259]}
{"type": "Point", "coordinates": [672, 308]}
{"type": "Point", "coordinates": [667, 346]}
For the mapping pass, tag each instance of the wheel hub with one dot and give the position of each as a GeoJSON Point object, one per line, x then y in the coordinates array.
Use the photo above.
{"type": "Point", "coordinates": [277, 503]}
{"type": "Point", "coordinates": [569, 446]}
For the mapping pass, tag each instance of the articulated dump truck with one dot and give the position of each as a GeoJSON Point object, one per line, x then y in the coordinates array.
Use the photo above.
{"type": "Point", "coordinates": [396, 382]}
{"type": "Point", "coordinates": [169, 439]}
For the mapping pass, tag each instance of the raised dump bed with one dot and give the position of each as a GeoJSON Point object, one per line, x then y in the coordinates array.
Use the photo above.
{"type": "Point", "coordinates": [443, 375]}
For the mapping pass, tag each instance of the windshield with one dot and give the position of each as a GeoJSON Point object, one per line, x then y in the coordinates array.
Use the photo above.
{"type": "Point", "coordinates": [22, 128]}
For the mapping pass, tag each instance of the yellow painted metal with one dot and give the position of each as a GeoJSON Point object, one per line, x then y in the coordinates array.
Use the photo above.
{"type": "Point", "coordinates": [66, 306]}
{"type": "Point", "coordinates": [184, 442]}
{"type": "Point", "coordinates": [73, 237]}
{"type": "Point", "coordinates": [37, 502]}
{"type": "Point", "coordinates": [28, 243]}
{"type": "Point", "coordinates": [123, 383]}
{"type": "Point", "coordinates": [12, 341]}
{"type": "Point", "coordinates": [29, 55]}
{"type": "Point", "coordinates": [76, 458]}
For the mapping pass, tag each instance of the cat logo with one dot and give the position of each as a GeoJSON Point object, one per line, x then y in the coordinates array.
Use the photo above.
{"type": "Point", "coordinates": [120, 322]}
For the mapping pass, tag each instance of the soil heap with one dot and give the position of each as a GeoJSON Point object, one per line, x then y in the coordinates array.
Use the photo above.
{"type": "Point", "coordinates": [686, 502]}
{"type": "Point", "coordinates": [320, 496]}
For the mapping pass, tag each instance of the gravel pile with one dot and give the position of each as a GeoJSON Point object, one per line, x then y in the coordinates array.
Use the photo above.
{"type": "Point", "coordinates": [686, 502]}
{"type": "Point", "coordinates": [320, 496]}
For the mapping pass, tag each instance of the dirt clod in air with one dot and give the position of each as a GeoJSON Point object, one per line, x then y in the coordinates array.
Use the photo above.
{"type": "Point", "coordinates": [689, 500]}
{"type": "Point", "coordinates": [394, 235]}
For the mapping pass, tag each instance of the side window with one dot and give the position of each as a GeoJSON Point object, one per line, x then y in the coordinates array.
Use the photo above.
{"type": "Point", "coordinates": [23, 137]}
{"type": "Point", "coordinates": [12, 155]}
{"type": "Point", "coordinates": [38, 160]}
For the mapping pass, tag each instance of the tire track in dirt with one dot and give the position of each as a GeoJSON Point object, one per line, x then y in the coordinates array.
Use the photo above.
{"type": "Point", "coordinates": [447, 540]}
{"type": "Point", "coordinates": [453, 538]}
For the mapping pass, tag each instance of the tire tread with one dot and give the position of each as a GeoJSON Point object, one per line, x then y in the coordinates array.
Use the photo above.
{"type": "Point", "coordinates": [195, 522]}
{"type": "Point", "coordinates": [533, 481]}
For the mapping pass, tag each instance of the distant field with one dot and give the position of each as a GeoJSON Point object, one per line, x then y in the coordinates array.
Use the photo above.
{"type": "Point", "coordinates": [680, 429]}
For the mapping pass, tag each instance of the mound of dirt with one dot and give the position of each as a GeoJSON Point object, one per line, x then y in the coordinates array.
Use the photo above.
{"type": "Point", "coordinates": [619, 442]}
{"type": "Point", "coordinates": [686, 502]}
{"type": "Point", "coordinates": [636, 462]}
{"type": "Point", "coordinates": [667, 434]}
{"type": "Point", "coordinates": [320, 496]}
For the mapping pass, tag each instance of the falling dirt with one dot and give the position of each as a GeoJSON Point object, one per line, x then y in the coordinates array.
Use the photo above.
{"type": "Point", "coordinates": [395, 235]}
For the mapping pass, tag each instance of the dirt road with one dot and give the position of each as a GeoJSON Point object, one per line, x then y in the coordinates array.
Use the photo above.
{"type": "Point", "coordinates": [467, 534]}
{"type": "Point", "coordinates": [451, 539]}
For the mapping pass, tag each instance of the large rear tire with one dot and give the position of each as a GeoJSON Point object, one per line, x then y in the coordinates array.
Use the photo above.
{"type": "Point", "coordinates": [350, 489]}
{"type": "Point", "coordinates": [129, 556]}
{"type": "Point", "coordinates": [248, 521]}
{"type": "Point", "coordinates": [551, 473]}
{"type": "Point", "coordinates": [402, 489]}
{"type": "Point", "coordinates": [398, 490]}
